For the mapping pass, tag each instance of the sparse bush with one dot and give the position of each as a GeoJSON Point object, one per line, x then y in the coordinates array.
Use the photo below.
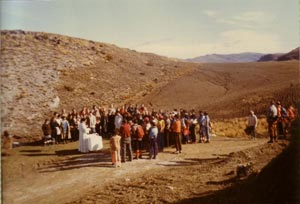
{"type": "Point", "coordinates": [108, 57]}
{"type": "Point", "coordinates": [69, 88]}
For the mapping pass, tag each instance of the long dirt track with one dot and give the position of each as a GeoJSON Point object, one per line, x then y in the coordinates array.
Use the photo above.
{"type": "Point", "coordinates": [58, 174]}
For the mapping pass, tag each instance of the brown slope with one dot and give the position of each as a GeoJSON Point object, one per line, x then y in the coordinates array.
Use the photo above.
{"type": "Point", "coordinates": [40, 69]}
{"type": "Point", "coordinates": [227, 90]}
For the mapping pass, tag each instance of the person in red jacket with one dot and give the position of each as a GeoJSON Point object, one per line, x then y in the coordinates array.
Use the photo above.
{"type": "Point", "coordinates": [138, 134]}
{"type": "Point", "coordinates": [125, 131]}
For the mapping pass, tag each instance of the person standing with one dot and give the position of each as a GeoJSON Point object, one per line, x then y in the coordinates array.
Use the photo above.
{"type": "Point", "coordinates": [92, 122]}
{"type": "Point", "coordinates": [161, 133]}
{"type": "Point", "coordinates": [83, 131]}
{"type": "Point", "coordinates": [59, 129]}
{"type": "Point", "coordinates": [111, 123]}
{"type": "Point", "coordinates": [72, 123]}
{"type": "Point", "coordinates": [138, 134]}
{"type": "Point", "coordinates": [272, 122]}
{"type": "Point", "coordinates": [291, 113]}
{"type": "Point", "coordinates": [115, 149]}
{"type": "Point", "coordinates": [54, 128]}
{"type": "Point", "coordinates": [207, 127]}
{"type": "Point", "coordinates": [118, 120]}
{"type": "Point", "coordinates": [167, 130]}
{"type": "Point", "coordinates": [66, 133]}
{"type": "Point", "coordinates": [153, 133]}
{"type": "Point", "coordinates": [201, 127]}
{"type": "Point", "coordinates": [46, 130]}
{"type": "Point", "coordinates": [193, 123]}
{"type": "Point", "coordinates": [125, 131]}
{"type": "Point", "coordinates": [176, 128]}
{"type": "Point", "coordinates": [252, 124]}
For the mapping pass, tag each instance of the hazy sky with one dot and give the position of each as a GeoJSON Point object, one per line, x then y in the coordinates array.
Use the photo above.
{"type": "Point", "coordinates": [173, 28]}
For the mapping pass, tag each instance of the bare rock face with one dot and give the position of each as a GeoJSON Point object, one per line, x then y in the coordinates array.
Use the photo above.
{"type": "Point", "coordinates": [54, 103]}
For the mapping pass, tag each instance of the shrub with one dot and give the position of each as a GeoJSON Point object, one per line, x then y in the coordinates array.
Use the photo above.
{"type": "Point", "coordinates": [109, 57]}
{"type": "Point", "coordinates": [69, 88]}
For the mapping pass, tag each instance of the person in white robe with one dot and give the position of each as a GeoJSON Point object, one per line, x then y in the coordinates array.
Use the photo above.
{"type": "Point", "coordinates": [83, 131]}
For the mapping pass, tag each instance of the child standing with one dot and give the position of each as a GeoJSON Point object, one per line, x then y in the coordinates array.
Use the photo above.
{"type": "Point", "coordinates": [115, 149]}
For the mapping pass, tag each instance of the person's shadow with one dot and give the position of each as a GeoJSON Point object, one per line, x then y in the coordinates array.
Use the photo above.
{"type": "Point", "coordinates": [76, 160]}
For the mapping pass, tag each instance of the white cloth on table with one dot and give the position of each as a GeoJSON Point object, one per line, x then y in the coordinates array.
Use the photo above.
{"type": "Point", "coordinates": [83, 142]}
{"type": "Point", "coordinates": [94, 142]}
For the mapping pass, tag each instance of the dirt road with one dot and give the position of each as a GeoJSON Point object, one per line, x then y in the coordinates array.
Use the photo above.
{"type": "Point", "coordinates": [58, 174]}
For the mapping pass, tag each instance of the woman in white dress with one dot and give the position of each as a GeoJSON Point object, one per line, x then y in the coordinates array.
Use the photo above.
{"type": "Point", "coordinates": [83, 131]}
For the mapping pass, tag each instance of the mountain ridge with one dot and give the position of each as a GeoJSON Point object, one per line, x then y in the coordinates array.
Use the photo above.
{"type": "Point", "coordinates": [227, 58]}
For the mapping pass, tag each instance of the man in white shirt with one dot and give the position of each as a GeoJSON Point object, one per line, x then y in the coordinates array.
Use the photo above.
{"type": "Point", "coordinates": [252, 124]}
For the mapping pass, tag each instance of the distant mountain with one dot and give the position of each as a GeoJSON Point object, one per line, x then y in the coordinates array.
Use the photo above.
{"type": "Point", "coordinates": [229, 58]}
{"type": "Point", "coordinates": [270, 57]}
{"type": "Point", "coordinates": [292, 55]}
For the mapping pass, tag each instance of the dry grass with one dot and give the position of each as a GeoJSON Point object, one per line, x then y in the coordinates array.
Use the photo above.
{"type": "Point", "coordinates": [235, 127]}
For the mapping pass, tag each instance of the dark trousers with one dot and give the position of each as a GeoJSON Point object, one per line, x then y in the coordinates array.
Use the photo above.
{"type": "Point", "coordinates": [138, 145]}
{"type": "Point", "coordinates": [272, 127]}
{"type": "Point", "coordinates": [192, 132]}
{"type": "Point", "coordinates": [126, 145]}
{"type": "Point", "coordinates": [252, 131]}
{"type": "Point", "coordinates": [161, 141]}
{"type": "Point", "coordinates": [138, 148]}
{"type": "Point", "coordinates": [177, 141]}
{"type": "Point", "coordinates": [167, 138]}
{"type": "Point", "coordinates": [153, 147]}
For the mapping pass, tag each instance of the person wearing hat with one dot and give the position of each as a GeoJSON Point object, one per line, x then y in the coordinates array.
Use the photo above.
{"type": "Point", "coordinates": [252, 124]}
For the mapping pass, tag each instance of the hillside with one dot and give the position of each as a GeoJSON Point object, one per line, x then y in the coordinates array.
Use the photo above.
{"type": "Point", "coordinates": [292, 55]}
{"type": "Point", "coordinates": [231, 90]}
{"type": "Point", "coordinates": [269, 57]}
{"type": "Point", "coordinates": [229, 58]}
{"type": "Point", "coordinates": [45, 72]}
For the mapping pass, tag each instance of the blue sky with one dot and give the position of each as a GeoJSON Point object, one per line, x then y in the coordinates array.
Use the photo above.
{"type": "Point", "coordinates": [173, 28]}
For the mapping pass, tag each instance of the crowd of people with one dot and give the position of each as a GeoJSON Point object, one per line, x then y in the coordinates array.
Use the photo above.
{"type": "Point", "coordinates": [140, 129]}
{"type": "Point", "coordinates": [135, 129]}
{"type": "Point", "coordinates": [279, 120]}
